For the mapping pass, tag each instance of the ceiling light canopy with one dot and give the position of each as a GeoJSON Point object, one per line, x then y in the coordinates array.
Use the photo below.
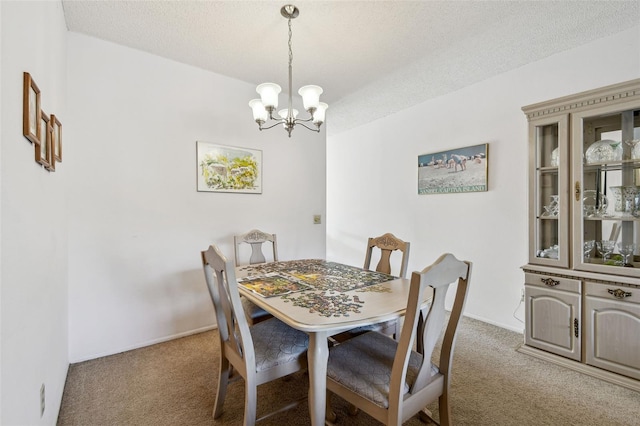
{"type": "Point", "coordinates": [264, 107]}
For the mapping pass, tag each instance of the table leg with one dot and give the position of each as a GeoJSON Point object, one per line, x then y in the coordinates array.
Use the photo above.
{"type": "Point", "coordinates": [318, 355]}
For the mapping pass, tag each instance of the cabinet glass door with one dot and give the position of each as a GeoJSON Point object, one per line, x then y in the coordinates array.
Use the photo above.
{"type": "Point", "coordinates": [548, 232]}
{"type": "Point", "coordinates": [607, 194]}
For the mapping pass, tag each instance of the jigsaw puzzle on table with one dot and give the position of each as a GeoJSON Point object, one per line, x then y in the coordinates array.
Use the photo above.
{"type": "Point", "coordinates": [338, 305]}
{"type": "Point", "coordinates": [270, 285]}
{"type": "Point", "coordinates": [322, 275]}
{"type": "Point", "coordinates": [326, 284]}
{"type": "Point", "coordinates": [374, 289]}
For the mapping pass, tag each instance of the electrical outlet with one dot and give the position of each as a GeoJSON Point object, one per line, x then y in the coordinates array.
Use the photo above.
{"type": "Point", "coordinates": [522, 295]}
{"type": "Point", "coordinates": [317, 219]}
{"type": "Point", "coordinates": [42, 399]}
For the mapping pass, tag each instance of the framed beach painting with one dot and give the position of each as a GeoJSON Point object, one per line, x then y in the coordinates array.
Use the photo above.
{"type": "Point", "coordinates": [228, 169]}
{"type": "Point", "coordinates": [455, 170]}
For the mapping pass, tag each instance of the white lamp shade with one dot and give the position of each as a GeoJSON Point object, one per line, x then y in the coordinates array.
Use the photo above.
{"type": "Point", "coordinates": [269, 94]}
{"type": "Point", "coordinates": [310, 96]}
{"type": "Point", "coordinates": [318, 115]}
{"type": "Point", "coordinates": [259, 113]}
{"type": "Point", "coordinates": [283, 113]}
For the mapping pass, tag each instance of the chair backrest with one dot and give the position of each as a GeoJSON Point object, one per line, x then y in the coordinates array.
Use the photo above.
{"type": "Point", "coordinates": [425, 326]}
{"type": "Point", "coordinates": [233, 328]}
{"type": "Point", "coordinates": [256, 239]}
{"type": "Point", "coordinates": [387, 244]}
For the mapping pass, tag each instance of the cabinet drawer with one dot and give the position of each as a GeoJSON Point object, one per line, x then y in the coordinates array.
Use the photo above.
{"type": "Point", "coordinates": [613, 292]}
{"type": "Point", "coordinates": [546, 281]}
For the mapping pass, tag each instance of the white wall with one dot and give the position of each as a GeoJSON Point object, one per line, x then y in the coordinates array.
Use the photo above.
{"type": "Point", "coordinates": [136, 223]}
{"type": "Point", "coordinates": [379, 162]}
{"type": "Point", "coordinates": [34, 225]}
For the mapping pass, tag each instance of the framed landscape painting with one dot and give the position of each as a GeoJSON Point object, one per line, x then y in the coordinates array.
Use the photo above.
{"type": "Point", "coordinates": [43, 147]}
{"type": "Point", "coordinates": [56, 138]}
{"type": "Point", "coordinates": [228, 169]}
{"type": "Point", "coordinates": [31, 109]}
{"type": "Point", "coordinates": [455, 170]}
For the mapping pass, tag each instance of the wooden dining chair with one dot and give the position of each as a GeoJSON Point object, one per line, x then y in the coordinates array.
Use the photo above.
{"type": "Point", "coordinates": [386, 244]}
{"type": "Point", "coordinates": [256, 239]}
{"type": "Point", "coordinates": [388, 379]}
{"type": "Point", "coordinates": [259, 353]}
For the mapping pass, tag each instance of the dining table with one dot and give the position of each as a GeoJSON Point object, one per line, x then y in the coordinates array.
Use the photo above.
{"type": "Point", "coordinates": [323, 298]}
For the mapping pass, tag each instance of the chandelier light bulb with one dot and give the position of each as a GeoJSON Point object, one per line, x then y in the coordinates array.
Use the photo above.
{"type": "Point", "coordinates": [269, 94]}
{"type": "Point", "coordinates": [319, 113]}
{"type": "Point", "coordinates": [259, 112]}
{"type": "Point", "coordinates": [284, 112]}
{"type": "Point", "coordinates": [310, 96]}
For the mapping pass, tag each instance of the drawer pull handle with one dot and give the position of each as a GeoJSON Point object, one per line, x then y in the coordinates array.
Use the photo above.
{"type": "Point", "coordinates": [549, 282]}
{"type": "Point", "coordinates": [619, 294]}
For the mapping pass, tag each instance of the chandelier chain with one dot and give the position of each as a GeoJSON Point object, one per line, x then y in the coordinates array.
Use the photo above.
{"type": "Point", "coordinates": [290, 109]}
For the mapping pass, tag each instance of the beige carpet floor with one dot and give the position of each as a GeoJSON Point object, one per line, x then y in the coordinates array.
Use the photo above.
{"type": "Point", "coordinates": [173, 383]}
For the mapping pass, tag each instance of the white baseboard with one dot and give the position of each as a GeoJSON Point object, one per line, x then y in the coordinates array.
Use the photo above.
{"type": "Point", "coordinates": [147, 343]}
{"type": "Point", "coordinates": [213, 327]}
{"type": "Point", "coordinates": [488, 321]}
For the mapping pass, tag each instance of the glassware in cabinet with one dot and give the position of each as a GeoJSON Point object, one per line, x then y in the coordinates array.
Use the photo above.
{"type": "Point", "coordinates": [607, 169]}
{"type": "Point", "coordinates": [548, 203]}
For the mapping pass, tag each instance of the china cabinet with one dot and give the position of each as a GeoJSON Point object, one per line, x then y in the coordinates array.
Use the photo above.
{"type": "Point", "coordinates": [582, 281]}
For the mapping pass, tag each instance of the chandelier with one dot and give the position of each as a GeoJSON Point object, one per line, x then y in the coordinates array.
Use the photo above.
{"type": "Point", "coordinates": [264, 107]}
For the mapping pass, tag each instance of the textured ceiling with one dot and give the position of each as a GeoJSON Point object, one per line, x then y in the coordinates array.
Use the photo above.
{"type": "Point", "coordinates": [372, 58]}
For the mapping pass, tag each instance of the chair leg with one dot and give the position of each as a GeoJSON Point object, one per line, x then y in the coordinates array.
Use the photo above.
{"type": "Point", "coordinates": [330, 415]}
{"type": "Point", "coordinates": [250, 401]}
{"type": "Point", "coordinates": [445, 409]}
{"type": "Point", "coordinates": [398, 329]}
{"type": "Point", "coordinates": [426, 416]}
{"type": "Point", "coordinates": [223, 381]}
